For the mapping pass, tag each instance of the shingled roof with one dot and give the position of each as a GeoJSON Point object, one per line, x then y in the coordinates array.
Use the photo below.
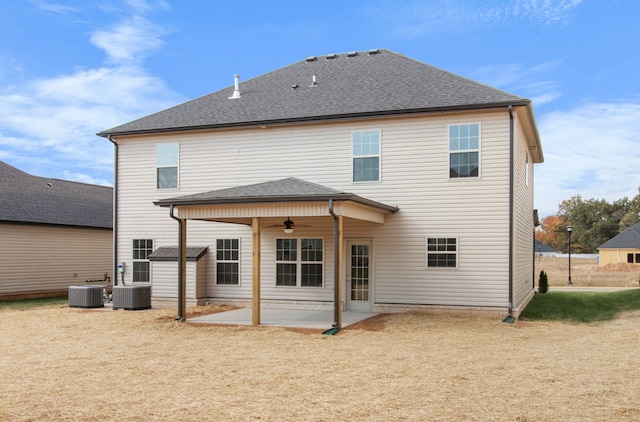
{"type": "Point", "coordinates": [38, 200]}
{"type": "Point", "coordinates": [290, 189]}
{"type": "Point", "coordinates": [358, 84]}
{"type": "Point", "coordinates": [628, 239]}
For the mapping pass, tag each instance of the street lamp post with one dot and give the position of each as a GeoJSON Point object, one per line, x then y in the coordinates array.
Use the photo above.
{"type": "Point", "coordinates": [569, 230]}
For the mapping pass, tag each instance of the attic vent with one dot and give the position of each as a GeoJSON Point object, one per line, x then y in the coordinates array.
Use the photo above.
{"type": "Point", "coordinates": [312, 59]}
{"type": "Point", "coordinates": [236, 90]}
{"type": "Point", "coordinates": [374, 51]}
{"type": "Point", "coordinates": [352, 54]}
{"type": "Point", "coordinates": [295, 86]}
{"type": "Point", "coordinates": [332, 56]}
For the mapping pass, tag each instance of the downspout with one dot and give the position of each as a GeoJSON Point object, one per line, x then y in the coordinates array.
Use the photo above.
{"type": "Point", "coordinates": [336, 273]}
{"type": "Point", "coordinates": [511, 209]}
{"type": "Point", "coordinates": [181, 266]}
{"type": "Point", "coordinates": [115, 212]}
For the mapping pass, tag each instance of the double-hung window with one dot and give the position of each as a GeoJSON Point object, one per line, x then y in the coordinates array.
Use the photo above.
{"type": "Point", "coordinates": [442, 252]}
{"type": "Point", "coordinates": [228, 261]}
{"type": "Point", "coordinates": [464, 150]}
{"type": "Point", "coordinates": [366, 156]}
{"type": "Point", "coordinates": [299, 262]}
{"type": "Point", "coordinates": [142, 248]}
{"type": "Point", "coordinates": [167, 166]}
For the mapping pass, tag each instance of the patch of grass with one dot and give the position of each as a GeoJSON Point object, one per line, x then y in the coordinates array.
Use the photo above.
{"type": "Point", "coordinates": [25, 304]}
{"type": "Point", "coordinates": [581, 306]}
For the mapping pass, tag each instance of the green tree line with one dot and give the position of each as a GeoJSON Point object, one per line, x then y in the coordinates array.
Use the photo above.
{"type": "Point", "coordinates": [593, 222]}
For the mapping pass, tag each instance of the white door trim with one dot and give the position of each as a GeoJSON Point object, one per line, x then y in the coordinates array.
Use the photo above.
{"type": "Point", "coordinates": [357, 304]}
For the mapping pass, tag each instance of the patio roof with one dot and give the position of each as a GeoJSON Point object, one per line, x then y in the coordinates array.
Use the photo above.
{"type": "Point", "coordinates": [290, 197]}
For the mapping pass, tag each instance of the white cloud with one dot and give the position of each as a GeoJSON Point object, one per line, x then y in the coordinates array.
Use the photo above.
{"type": "Point", "coordinates": [411, 18]}
{"type": "Point", "coordinates": [56, 119]}
{"type": "Point", "coordinates": [48, 125]}
{"type": "Point", "coordinates": [529, 82]}
{"type": "Point", "coordinates": [592, 151]}
{"type": "Point", "coordinates": [129, 41]}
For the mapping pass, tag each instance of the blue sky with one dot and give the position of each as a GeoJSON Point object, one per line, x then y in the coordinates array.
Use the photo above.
{"type": "Point", "coordinates": [71, 68]}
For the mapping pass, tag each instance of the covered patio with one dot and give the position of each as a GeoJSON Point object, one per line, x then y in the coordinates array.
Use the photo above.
{"type": "Point", "coordinates": [261, 205]}
{"type": "Point", "coordinates": [290, 318]}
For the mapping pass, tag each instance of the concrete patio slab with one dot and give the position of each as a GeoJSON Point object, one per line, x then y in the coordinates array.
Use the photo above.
{"type": "Point", "coordinates": [294, 318]}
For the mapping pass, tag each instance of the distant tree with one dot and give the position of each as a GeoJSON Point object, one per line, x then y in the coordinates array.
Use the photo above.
{"type": "Point", "coordinates": [632, 216]}
{"type": "Point", "coordinates": [594, 221]}
{"type": "Point", "coordinates": [552, 231]}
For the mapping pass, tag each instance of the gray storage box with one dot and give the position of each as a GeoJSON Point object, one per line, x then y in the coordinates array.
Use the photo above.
{"type": "Point", "coordinates": [132, 297]}
{"type": "Point", "coordinates": [86, 296]}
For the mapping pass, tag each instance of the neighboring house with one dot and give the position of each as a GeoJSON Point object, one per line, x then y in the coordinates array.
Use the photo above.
{"type": "Point", "coordinates": [542, 249]}
{"type": "Point", "coordinates": [53, 234]}
{"type": "Point", "coordinates": [361, 181]}
{"type": "Point", "coordinates": [625, 247]}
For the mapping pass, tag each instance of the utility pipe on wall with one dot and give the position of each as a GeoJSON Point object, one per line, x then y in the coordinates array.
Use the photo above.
{"type": "Point", "coordinates": [182, 265]}
{"type": "Point", "coordinates": [511, 209]}
{"type": "Point", "coordinates": [115, 211]}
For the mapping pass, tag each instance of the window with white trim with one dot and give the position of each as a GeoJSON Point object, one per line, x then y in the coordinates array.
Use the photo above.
{"type": "Point", "coordinates": [299, 262]}
{"type": "Point", "coordinates": [142, 248]}
{"type": "Point", "coordinates": [464, 150]}
{"type": "Point", "coordinates": [167, 158]}
{"type": "Point", "coordinates": [442, 252]}
{"type": "Point", "coordinates": [366, 155]}
{"type": "Point", "coordinates": [228, 261]}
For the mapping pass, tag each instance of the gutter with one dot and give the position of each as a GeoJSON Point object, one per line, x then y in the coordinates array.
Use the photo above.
{"type": "Point", "coordinates": [115, 211]}
{"type": "Point", "coordinates": [315, 119]}
{"type": "Point", "coordinates": [511, 211]}
{"type": "Point", "coordinates": [182, 259]}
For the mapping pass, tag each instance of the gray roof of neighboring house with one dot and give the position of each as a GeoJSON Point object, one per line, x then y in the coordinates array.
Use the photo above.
{"type": "Point", "coordinates": [628, 239]}
{"type": "Point", "coordinates": [544, 248]}
{"type": "Point", "coordinates": [39, 200]}
{"type": "Point", "coordinates": [285, 190]}
{"type": "Point", "coordinates": [373, 83]}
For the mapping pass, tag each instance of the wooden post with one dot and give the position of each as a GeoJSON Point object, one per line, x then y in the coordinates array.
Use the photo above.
{"type": "Point", "coordinates": [255, 225]}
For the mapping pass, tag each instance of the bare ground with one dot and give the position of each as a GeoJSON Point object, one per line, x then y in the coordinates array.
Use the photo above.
{"type": "Point", "coordinates": [69, 364]}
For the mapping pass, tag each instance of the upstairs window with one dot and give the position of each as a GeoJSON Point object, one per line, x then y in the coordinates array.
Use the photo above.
{"type": "Point", "coordinates": [366, 156]}
{"type": "Point", "coordinates": [167, 166]}
{"type": "Point", "coordinates": [464, 151]}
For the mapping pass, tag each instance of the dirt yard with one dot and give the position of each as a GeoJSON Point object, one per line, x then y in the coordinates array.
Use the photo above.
{"type": "Point", "coordinates": [70, 364]}
{"type": "Point", "coordinates": [587, 272]}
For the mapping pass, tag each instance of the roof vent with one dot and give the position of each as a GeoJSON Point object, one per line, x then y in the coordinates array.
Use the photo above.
{"type": "Point", "coordinates": [312, 59]}
{"type": "Point", "coordinates": [332, 56]}
{"type": "Point", "coordinates": [352, 54]}
{"type": "Point", "coordinates": [295, 86]}
{"type": "Point", "coordinates": [236, 84]}
{"type": "Point", "coordinates": [313, 81]}
{"type": "Point", "coordinates": [374, 51]}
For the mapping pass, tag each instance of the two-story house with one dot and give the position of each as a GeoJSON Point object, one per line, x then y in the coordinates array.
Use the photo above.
{"type": "Point", "coordinates": [361, 181]}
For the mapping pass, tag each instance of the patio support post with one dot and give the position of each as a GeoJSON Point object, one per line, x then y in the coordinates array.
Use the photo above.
{"type": "Point", "coordinates": [255, 226]}
{"type": "Point", "coordinates": [337, 267]}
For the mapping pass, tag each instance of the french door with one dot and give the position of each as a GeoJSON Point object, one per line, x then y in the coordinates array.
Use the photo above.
{"type": "Point", "coordinates": [359, 275]}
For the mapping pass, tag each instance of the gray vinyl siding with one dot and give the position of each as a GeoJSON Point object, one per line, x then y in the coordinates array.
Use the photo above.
{"type": "Point", "coordinates": [414, 177]}
{"type": "Point", "coordinates": [523, 265]}
{"type": "Point", "coordinates": [47, 258]}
